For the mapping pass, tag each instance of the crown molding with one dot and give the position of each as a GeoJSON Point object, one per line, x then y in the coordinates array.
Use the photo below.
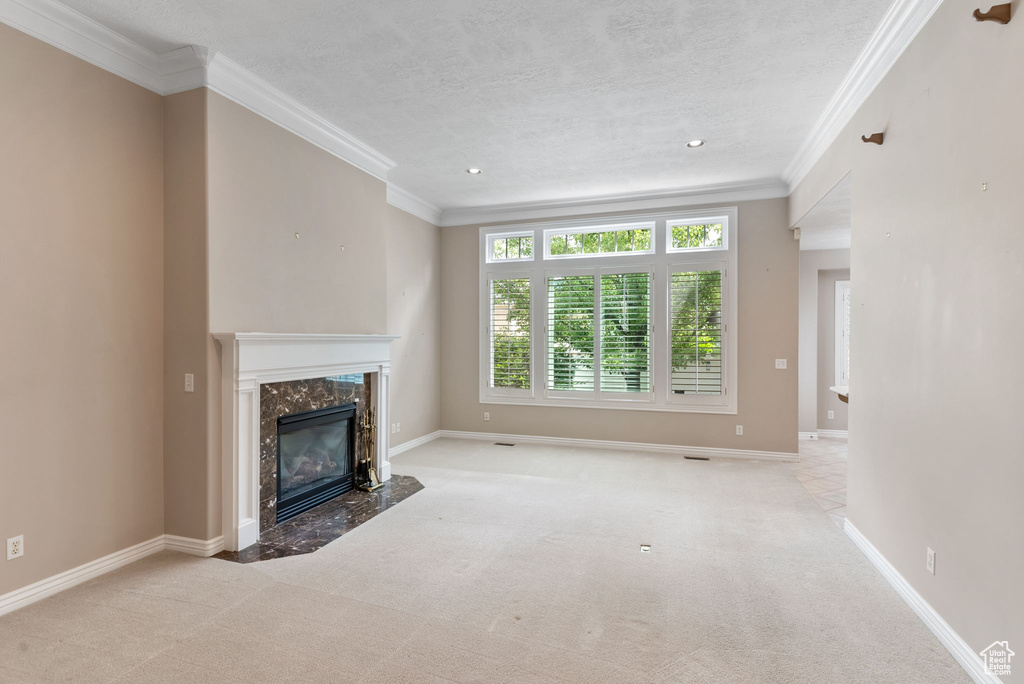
{"type": "Point", "coordinates": [414, 204]}
{"type": "Point", "coordinates": [183, 69]}
{"type": "Point", "coordinates": [226, 77]}
{"type": "Point", "coordinates": [77, 34]}
{"type": "Point", "coordinates": [638, 201]}
{"type": "Point", "coordinates": [899, 27]}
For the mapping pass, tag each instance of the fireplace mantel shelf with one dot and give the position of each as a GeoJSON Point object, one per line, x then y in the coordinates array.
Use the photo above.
{"type": "Point", "coordinates": [302, 337]}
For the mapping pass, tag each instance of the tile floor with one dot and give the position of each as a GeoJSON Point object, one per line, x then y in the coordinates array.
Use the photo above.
{"type": "Point", "coordinates": [822, 471]}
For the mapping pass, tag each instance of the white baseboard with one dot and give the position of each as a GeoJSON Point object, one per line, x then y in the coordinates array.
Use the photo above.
{"type": "Point", "coordinates": [958, 648]}
{"type": "Point", "coordinates": [807, 435]}
{"type": "Point", "coordinates": [709, 452]}
{"type": "Point", "coordinates": [413, 443]}
{"type": "Point", "coordinates": [194, 547]}
{"type": "Point", "coordinates": [834, 434]}
{"type": "Point", "coordinates": [19, 598]}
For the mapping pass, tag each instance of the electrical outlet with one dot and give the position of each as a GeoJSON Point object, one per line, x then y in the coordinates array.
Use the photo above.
{"type": "Point", "coordinates": [780, 364]}
{"type": "Point", "coordinates": [831, 415]}
{"type": "Point", "coordinates": [190, 382]}
{"type": "Point", "coordinates": [393, 429]}
{"type": "Point", "coordinates": [16, 547]}
{"type": "Point", "coordinates": [739, 430]}
{"type": "Point", "coordinates": [487, 416]}
{"type": "Point", "coordinates": [931, 561]}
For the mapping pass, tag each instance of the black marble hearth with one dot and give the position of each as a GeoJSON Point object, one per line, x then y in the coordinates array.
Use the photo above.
{"type": "Point", "coordinates": [318, 527]}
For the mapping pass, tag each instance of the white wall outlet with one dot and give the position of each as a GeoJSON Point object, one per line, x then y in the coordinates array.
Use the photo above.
{"type": "Point", "coordinates": [780, 364]}
{"type": "Point", "coordinates": [190, 382]}
{"type": "Point", "coordinates": [487, 416]}
{"type": "Point", "coordinates": [831, 415]}
{"type": "Point", "coordinates": [739, 430]}
{"type": "Point", "coordinates": [16, 547]}
{"type": "Point", "coordinates": [393, 429]}
{"type": "Point", "coordinates": [931, 561]}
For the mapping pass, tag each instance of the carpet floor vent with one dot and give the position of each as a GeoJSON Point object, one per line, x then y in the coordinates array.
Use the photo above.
{"type": "Point", "coordinates": [503, 444]}
{"type": "Point", "coordinates": [697, 458]}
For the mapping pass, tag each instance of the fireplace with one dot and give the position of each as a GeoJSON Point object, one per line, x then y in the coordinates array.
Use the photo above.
{"type": "Point", "coordinates": [252, 361]}
{"type": "Point", "coordinates": [315, 458]}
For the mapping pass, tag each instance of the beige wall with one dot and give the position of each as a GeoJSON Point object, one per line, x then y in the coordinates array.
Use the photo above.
{"type": "Point", "coordinates": [767, 331]}
{"type": "Point", "coordinates": [189, 428]}
{"type": "Point", "coordinates": [81, 277]}
{"type": "Point", "coordinates": [935, 451]}
{"type": "Point", "coordinates": [414, 313]}
{"type": "Point", "coordinates": [127, 259]}
{"type": "Point", "coordinates": [243, 187]}
{"type": "Point", "coordinates": [827, 399]}
{"type": "Point", "coordinates": [267, 184]}
{"type": "Point", "coordinates": [811, 262]}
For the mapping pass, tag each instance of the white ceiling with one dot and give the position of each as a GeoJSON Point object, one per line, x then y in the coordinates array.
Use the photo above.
{"type": "Point", "coordinates": [829, 225]}
{"type": "Point", "coordinates": [554, 99]}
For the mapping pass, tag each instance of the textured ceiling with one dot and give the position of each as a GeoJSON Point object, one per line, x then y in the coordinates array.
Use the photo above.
{"type": "Point", "coordinates": [829, 224]}
{"type": "Point", "coordinates": [554, 99]}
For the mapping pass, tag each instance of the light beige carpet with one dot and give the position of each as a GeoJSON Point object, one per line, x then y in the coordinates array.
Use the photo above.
{"type": "Point", "coordinates": [515, 564]}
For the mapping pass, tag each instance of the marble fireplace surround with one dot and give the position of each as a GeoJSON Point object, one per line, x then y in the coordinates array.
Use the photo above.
{"type": "Point", "coordinates": [249, 360]}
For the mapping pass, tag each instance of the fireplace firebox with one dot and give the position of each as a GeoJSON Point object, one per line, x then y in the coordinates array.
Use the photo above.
{"type": "Point", "coordinates": [315, 458]}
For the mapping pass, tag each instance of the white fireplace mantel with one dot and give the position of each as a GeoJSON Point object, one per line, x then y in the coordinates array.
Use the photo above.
{"type": "Point", "coordinates": [249, 360]}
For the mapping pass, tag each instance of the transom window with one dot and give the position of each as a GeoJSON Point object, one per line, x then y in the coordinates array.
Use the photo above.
{"type": "Point", "coordinates": [638, 313]}
{"type": "Point", "coordinates": [510, 247]}
{"type": "Point", "coordinates": [691, 235]}
{"type": "Point", "coordinates": [598, 240]}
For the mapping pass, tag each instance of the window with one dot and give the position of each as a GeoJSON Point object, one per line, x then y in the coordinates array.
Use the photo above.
{"type": "Point", "coordinates": [621, 331]}
{"type": "Point", "coordinates": [598, 240]}
{"type": "Point", "coordinates": [510, 247]}
{"type": "Point", "coordinates": [638, 313]}
{"type": "Point", "coordinates": [571, 327]}
{"type": "Point", "coordinates": [689, 235]}
{"type": "Point", "coordinates": [626, 332]}
{"type": "Point", "coordinates": [842, 333]}
{"type": "Point", "coordinates": [510, 333]}
{"type": "Point", "coordinates": [697, 332]}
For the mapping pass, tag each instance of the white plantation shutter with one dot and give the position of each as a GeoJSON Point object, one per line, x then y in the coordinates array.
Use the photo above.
{"type": "Point", "coordinates": [509, 329]}
{"type": "Point", "coordinates": [571, 333]}
{"type": "Point", "coordinates": [625, 332]}
{"type": "Point", "coordinates": [696, 299]}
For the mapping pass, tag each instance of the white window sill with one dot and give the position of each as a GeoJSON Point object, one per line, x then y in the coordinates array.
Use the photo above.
{"type": "Point", "coordinates": [634, 405]}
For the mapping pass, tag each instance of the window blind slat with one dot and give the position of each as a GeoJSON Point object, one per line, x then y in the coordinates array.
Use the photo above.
{"type": "Point", "coordinates": [510, 333]}
{"type": "Point", "coordinates": [696, 298]}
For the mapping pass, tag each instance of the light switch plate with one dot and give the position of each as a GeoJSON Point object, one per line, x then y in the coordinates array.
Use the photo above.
{"type": "Point", "coordinates": [780, 364]}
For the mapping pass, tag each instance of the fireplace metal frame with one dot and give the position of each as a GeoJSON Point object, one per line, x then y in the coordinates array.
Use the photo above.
{"type": "Point", "coordinates": [293, 422]}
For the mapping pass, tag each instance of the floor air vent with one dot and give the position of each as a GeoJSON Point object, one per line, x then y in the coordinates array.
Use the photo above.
{"type": "Point", "coordinates": [503, 444]}
{"type": "Point", "coordinates": [696, 458]}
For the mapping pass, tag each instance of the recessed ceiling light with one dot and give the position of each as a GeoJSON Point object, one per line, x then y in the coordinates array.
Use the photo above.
{"type": "Point", "coordinates": [694, 144]}
{"type": "Point", "coordinates": [474, 172]}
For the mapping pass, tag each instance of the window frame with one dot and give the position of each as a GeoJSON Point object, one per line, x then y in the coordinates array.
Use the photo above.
{"type": "Point", "coordinates": [489, 248]}
{"type": "Point", "coordinates": [660, 262]}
